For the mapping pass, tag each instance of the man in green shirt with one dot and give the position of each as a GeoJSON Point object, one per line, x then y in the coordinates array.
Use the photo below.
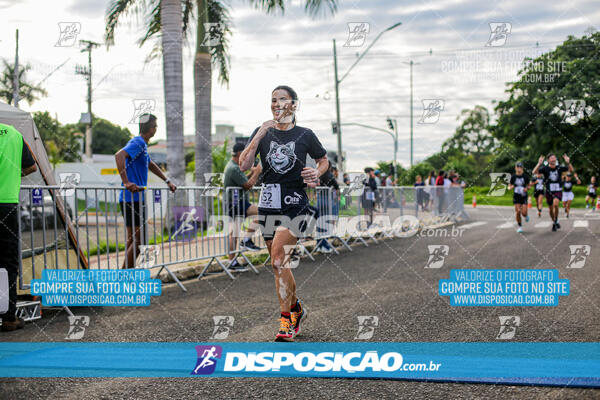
{"type": "Point", "coordinates": [16, 160]}
{"type": "Point", "coordinates": [238, 205]}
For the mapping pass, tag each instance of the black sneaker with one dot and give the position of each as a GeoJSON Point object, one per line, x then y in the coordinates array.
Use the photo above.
{"type": "Point", "coordinates": [249, 245]}
{"type": "Point", "coordinates": [297, 318]}
{"type": "Point", "coordinates": [557, 225]}
{"type": "Point", "coordinates": [554, 227]}
{"type": "Point", "coordinates": [235, 266]}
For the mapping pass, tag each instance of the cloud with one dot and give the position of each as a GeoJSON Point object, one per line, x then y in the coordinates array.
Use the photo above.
{"type": "Point", "coordinates": [268, 50]}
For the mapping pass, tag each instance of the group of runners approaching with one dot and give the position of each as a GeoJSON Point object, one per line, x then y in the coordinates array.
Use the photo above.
{"type": "Point", "coordinates": [552, 181]}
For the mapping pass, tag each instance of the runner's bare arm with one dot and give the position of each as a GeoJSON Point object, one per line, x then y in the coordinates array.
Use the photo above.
{"type": "Point", "coordinates": [538, 165]}
{"type": "Point", "coordinates": [249, 153]}
{"type": "Point", "coordinates": [253, 177]}
{"type": "Point", "coordinates": [568, 161]}
{"type": "Point", "coordinates": [311, 175]}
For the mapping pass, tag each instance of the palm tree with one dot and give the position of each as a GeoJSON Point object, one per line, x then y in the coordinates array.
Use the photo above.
{"type": "Point", "coordinates": [214, 12]}
{"type": "Point", "coordinates": [27, 91]}
{"type": "Point", "coordinates": [167, 17]}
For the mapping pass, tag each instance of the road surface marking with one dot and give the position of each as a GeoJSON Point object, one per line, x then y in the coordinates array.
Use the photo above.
{"type": "Point", "coordinates": [506, 225]}
{"type": "Point", "coordinates": [543, 224]}
{"type": "Point", "coordinates": [580, 223]}
{"type": "Point", "coordinates": [473, 225]}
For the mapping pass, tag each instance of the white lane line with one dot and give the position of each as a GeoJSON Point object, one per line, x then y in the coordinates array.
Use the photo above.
{"type": "Point", "coordinates": [580, 223]}
{"type": "Point", "coordinates": [506, 225]}
{"type": "Point", "coordinates": [543, 224]}
{"type": "Point", "coordinates": [473, 225]}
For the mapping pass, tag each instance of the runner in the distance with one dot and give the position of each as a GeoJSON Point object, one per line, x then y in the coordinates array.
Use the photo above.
{"type": "Point", "coordinates": [567, 194]}
{"type": "Point", "coordinates": [553, 178]}
{"type": "Point", "coordinates": [591, 193]}
{"type": "Point", "coordinates": [520, 183]}
{"type": "Point", "coordinates": [283, 147]}
{"type": "Point", "coordinates": [538, 193]}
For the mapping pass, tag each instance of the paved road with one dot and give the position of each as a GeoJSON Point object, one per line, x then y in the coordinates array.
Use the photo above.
{"type": "Point", "coordinates": [386, 279]}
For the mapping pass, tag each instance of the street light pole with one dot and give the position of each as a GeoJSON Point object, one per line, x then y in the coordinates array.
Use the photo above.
{"type": "Point", "coordinates": [16, 72]}
{"type": "Point", "coordinates": [87, 73]}
{"type": "Point", "coordinates": [393, 134]}
{"type": "Point", "coordinates": [337, 92]}
{"type": "Point", "coordinates": [411, 63]}
{"type": "Point", "coordinates": [395, 152]}
{"type": "Point", "coordinates": [337, 111]}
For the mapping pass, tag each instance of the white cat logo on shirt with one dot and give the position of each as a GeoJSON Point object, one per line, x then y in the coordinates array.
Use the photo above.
{"type": "Point", "coordinates": [553, 175]}
{"type": "Point", "coordinates": [281, 157]}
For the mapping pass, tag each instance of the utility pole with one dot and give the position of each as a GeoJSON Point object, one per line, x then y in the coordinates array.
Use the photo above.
{"type": "Point", "coordinates": [393, 125]}
{"type": "Point", "coordinates": [411, 63]}
{"type": "Point", "coordinates": [337, 111]}
{"type": "Point", "coordinates": [411, 114]}
{"type": "Point", "coordinates": [87, 73]}
{"type": "Point", "coordinates": [16, 73]}
{"type": "Point", "coordinates": [337, 85]}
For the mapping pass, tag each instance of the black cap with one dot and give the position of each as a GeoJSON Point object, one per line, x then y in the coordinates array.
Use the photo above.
{"type": "Point", "coordinates": [519, 164]}
{"type": "Point", "coordinates": [238, 147]}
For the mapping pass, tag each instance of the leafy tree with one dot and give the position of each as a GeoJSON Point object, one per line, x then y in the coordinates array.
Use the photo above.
{"type": "Point", "coordinates": [220, 157]}
{"type": "Point", "coordinates": [62, 143]}
{"type": "Point", "coordinates": [472, 136]}
{"type": "Point", "coordinates": [532, 118]}
{"type": "Point", "coordinates": [168, 20]}
{"type": "Point", "coordinates": [423, 168]}
{"type": "Point", "coordinates": [206, 57]}
{"type": "Point", "coordinates": [27, 91]}
{"type": "Point", "coordinates": [107, 138]}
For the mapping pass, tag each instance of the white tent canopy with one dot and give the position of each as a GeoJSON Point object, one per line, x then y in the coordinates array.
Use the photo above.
{"type": "Point", "coordinates": [23, 122]}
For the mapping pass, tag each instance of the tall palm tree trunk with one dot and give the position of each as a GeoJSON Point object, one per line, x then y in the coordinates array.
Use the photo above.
{"type": "Point", "coordinates": [171, 21]}
{"type": "Point", "coordinates": [202, 96]}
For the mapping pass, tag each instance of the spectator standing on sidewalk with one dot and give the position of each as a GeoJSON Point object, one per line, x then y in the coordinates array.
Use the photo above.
{"type": "Point", "coordinates": [16, 160]}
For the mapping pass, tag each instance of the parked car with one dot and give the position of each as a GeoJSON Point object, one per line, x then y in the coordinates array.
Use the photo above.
{"type": "Point", "coordinates": [36, 214]}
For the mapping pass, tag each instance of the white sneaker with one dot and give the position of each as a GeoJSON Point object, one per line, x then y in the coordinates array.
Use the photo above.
{"type": "Point", "coordinates": [326, 250]}
{"type": "Point", "coordinates": [520, 230]}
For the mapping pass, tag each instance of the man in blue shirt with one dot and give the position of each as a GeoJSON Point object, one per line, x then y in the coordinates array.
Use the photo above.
{"type": "Point", "coordinates": [133, 163]}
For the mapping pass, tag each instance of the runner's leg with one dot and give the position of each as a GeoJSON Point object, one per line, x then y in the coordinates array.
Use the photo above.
{"type": "Point", "coordinates": [284, 279]}
{"type": "Point", "coordinates": [556, 206]}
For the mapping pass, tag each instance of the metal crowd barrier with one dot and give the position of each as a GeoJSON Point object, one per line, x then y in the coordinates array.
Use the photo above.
{"type": "Point", "coordinates": [84, 227]}
{"type": "Point", "coordinates": [179, 228]}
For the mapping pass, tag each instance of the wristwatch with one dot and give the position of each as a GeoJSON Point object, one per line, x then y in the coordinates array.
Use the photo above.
{"type": "Point", "coordinates": [167, 181]}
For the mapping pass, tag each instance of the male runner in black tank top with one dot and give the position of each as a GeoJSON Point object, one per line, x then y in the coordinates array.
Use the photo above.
{"type": "Point", "coordinates": [520, 183]}
{"type": "Point", "coordinates": [591, 194]}
{"type": "Point", "coordinates": [553, 178]}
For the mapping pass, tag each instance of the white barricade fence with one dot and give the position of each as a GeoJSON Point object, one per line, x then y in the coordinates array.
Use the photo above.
{"type": "Point", "coordinates": [85, 227]}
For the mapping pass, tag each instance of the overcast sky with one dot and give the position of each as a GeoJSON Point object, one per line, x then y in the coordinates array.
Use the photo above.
{"type": "Point", "coordinates": [296, 50]}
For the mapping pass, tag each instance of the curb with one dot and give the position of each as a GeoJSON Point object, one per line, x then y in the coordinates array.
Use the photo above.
{"type": "Point", "coordinates": [193, 269]}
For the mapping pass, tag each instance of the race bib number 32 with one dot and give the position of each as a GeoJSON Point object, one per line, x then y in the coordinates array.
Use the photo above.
{"type": "Point", "coordinates": [270, 196]}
